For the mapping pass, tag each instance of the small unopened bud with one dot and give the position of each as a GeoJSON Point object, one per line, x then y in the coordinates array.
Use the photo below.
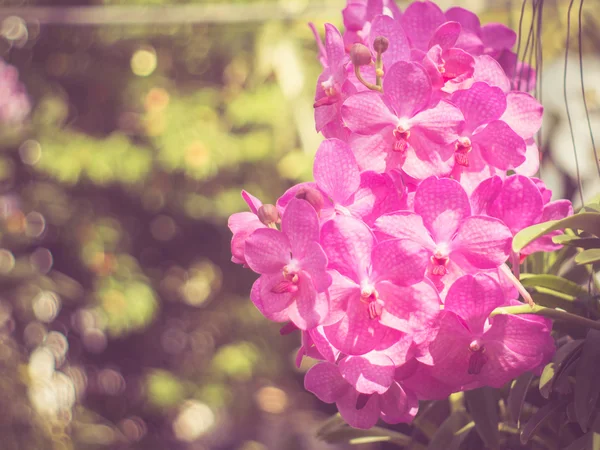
{"type": "Point", "coordinates": [312, 196]}
{"type": "Point", "coordinates": [381, 44]}
{"type": "Point", "coordinates": [360, 55]}
{"type": "Point", "coordinates": [268, 214]}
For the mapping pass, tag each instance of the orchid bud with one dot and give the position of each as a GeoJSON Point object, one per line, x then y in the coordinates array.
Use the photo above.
{"type": "Point", "coordinates": [268, 214]}
{"type": "Point", "coordinates": [312, 196]}
{"type": "Point", "coordinates": [360, 55]}
{"type": "Point", "coordinates": [381, 44]}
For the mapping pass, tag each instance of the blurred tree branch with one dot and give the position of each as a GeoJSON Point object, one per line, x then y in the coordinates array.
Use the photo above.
{"type": "Point", "coordinates": [208, 13]}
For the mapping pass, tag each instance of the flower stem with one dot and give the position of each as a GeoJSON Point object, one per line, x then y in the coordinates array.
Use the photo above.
{"type": "Point", "coordinates": [360, 78]}
{"type": "Point", "coordinates": [555, 314]}
{"type": "Point", "coordinates": [515, 281]}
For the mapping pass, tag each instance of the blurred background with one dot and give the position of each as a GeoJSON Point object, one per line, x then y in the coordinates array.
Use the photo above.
{"type": "Point", "coordinates": [127, 130]}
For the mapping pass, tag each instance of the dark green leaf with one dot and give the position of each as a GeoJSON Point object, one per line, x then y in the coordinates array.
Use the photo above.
{"type": "Point", "coordinates": [586, 221]}
{"type": "Point", "coordinates": [356, 436]}
{"type": "Point", "coordinates": [590, 256]}
{"type": "Point", "coordinates": [517, 394]}
{"type": "Point", "coordinates": [538, 419]}
{"type": "Point", "coordinates": [483, 407]}
{"type": "Point", "coordinates": [586, 379]}
{"type": "Point", "coordinates": [552, 283]}
{"type": "Point", "coordinates": [547, 379]}
{"type": "Point", "coordinates": [446, 431]}
{"type": "Point", "coordinates": [576, 241]}
{"type": "Point", "coordinates": [583, 443]}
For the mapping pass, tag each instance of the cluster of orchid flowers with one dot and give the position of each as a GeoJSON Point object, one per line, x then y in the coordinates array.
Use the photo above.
{"type": "Point", "coordinates": [391, 262]}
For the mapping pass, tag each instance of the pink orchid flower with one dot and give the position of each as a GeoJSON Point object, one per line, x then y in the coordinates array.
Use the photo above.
{"type": "Point", "coordinates": [473, 350]}
{"type": "Point", "coordinates": [402, 121]}
{"type": "Point", "coordinates": [456, 242]}
{"type": "Point", "coordinates": [346, 190]}
{"type": "Point", "coordinates": [243, 225]}
{"type": "Point", "coordinates": [292, 266]}
{"type": "Point", "coordinates": [487, 145]}
{"type": "Point", "coordinates": [359, 16]}
{"type": "Point", "coordinates": [393, 405]}
{"type": "Point", "coordinates": [375, 286]}
{"type": "Point", "coordinates": [520, 202]}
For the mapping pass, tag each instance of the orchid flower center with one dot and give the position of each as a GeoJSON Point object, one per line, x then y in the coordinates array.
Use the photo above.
{"type": "Point", "coordinates": [478, 357]}
{"type": "Point", "coordinates": [331, 93]}
{"type": "Point", "coordinates": [370, 296]}
{"type": "Point", "coordinates": [462, 147]}
{"type": "Point", "coordinates": [342, 210]}
{"type": "Point", "coordinates": [439, 260]}
{"type": "Point", "coordinates": [401, 134]}
{"type": "Point", "coordinates": [289, 284]}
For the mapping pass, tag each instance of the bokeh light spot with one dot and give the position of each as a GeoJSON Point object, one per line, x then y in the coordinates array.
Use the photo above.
{"type": "Point", "coordinates": [272, 400]}
{"type": "Point", "coordinates": [194, 420]}
{"type": "Point", "coordinates": [46, 306]}
{"type": "Point", "coordinates": [144, 61]}
{"type": "Point", "coordinates": [30, 152]}
{"type": "Point", "coordinates": [163, 228]}
{"type": "Point", "coordinates": [7, 261]}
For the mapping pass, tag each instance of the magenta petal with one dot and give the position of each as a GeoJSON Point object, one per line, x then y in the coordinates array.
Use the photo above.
{"type": "Point", "coordinates": [556, 210]}
{"type": "Point", "coordinates": [446, 35]}
{"type": "Point", "coordinates": [517, 345]}
{"type": "Point", "coordinates": [438, 124]}
{"type": "Point", "coordinates": [408, 87]}
{"type": "Point", "coordinates": [428, 158]}
{"type": "Point", "coordinates": [272, 305]}
{"type": "Point", "coordinates": [315, 263]}
{"type": "Point", "coordinates": [483, 242]}
{"type": "Point", "coordinates": [371, 151]}
{"type": "Point", "coordinates": [348, 243]}
{"type": "Point", "coordinates": [523, 114]}
{"type": "Point", "coordinates": [420, 20]}
{"type": "Point", "coordinates": [443, 204]}
{"type": "Point", "coordinates": [410, 309]}
{"type": "Point", "coordinates": [334, 46]}
{"type": "Point", "coordinates": [519, 203]}
{"type": "Point", "coordinates": [356, 333]}
{"type": "Point", "coordinates": [473, 298]}
{"type": "Point", "coordinates": [404, 225]}
{"type": "Point", "coordinates": [376, 195]}
{"type": "Point", "coordinates": [252, 202]}
{"type": "Point", "coordinates": [366, 113]}
{"type": "Point", "coordinates": [399, 47]}
{"type": "Point", "coordinates": [324, 380]}
{"type": "Point", "coordinates": [335, 170]}
{"type": "Point", "coordinates": [484, 194]}
{"type": "Point", "coordinates": [363, 418]}
{"type": "Point", "coordinates": [267, 250]}
{"type": "Point", "coordinates": [398, 405]}
{"type": "Point", "coordinates": [480, 104]}
{"type": "Point", "coordinates": [532, 160]}
{"type": "Point", "coordinates": [489, 70]}
{"type": "Point", "coordinates": [401, 261]}
{"type": "Point", "coordinates": [322, 345]}
{"type": "Point", "coordinates": [500, 146]}
{"type": "Point", "coordinates": [467, 19]}
{"type": "Point", "coordinates": [301, 225]}
{"type": "Point", "coordinates": [425, 386]}
{"type": "Point", "coordinates": [372, 373]}
{"type": "Point", "coordinates": [459, 63]}
{"type": "Point", "coordinates": [309, 309]}
{"type": "Point", "coordinates": [341, 291]}
{"type": "Point", "coordinates": [497, 36]}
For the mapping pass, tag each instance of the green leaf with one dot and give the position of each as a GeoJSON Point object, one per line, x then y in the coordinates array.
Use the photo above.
{"type": "Point", "coordinates": [586, 221]}
{"type": "Point", "coordinates": [576, 241]}
{"type": "Point", "coordinates": [587, 387]}
{"type": "Point", "coordinates": [590, 256]}
{"type": "Point", "coordinates": [538, 419]}
{"type": "Point", "coordinates": [356, 436]}
{"type": "Point", "coordinates": [552, 283]}
{"type": "Point", "coordinates": [483, 407]}
{"type": "Point", "coordinates": [517, 394]}
{"type": "Point", "coordinates": [547, 379]}
{"type": "Point", "coordinates": [448, 428]}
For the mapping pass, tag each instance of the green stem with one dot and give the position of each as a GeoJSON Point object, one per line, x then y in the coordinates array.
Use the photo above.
{"type": "Point", "coordinates": [547, 312]}
{"type": "Point", "coordinates": [360, 78]}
